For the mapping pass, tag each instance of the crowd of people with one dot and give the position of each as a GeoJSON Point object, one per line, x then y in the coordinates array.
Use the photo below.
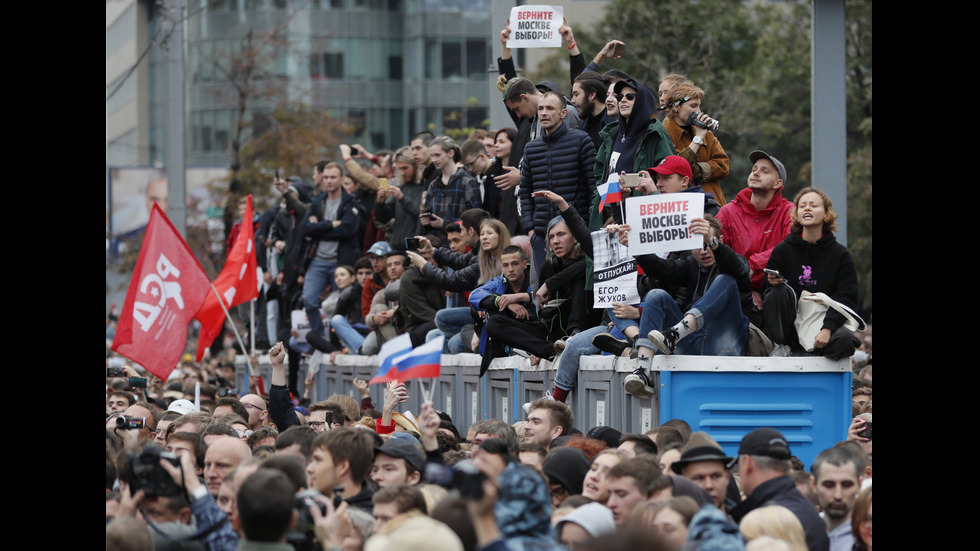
{"type": "Point", "coordinates": [198, 470]}
{"type": "Point", "coordinates": [487, 243]}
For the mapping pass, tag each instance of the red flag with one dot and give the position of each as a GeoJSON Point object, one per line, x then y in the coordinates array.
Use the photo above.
{"type": "Point", "coordinates": [167, 289]}
{"type": "Point", "coordinates": [237, 283]}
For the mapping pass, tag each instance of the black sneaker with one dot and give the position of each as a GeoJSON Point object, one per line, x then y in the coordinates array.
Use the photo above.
{"type": "Point", "coordinates": [666, 341]}
{"type": "Point", "coordinates": [608, 343]}
{"type": "Point", "coordinates": [638, 384]}
{"type": "Point", "coordinates": [319, 342]}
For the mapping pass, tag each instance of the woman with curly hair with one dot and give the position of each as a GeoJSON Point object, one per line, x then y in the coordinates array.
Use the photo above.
{"type": "Point", "coordinates": [811, 259]}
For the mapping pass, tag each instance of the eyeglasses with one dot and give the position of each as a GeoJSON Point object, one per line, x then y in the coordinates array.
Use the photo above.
{"type": "Point", "coordinates": [315, 424]}
{"type": "Point", "coordinates": [253, 406]}
{"type": "Point", "coordinates": [629, 95]}
{"type": "Point", "coordinates": [469, 166]}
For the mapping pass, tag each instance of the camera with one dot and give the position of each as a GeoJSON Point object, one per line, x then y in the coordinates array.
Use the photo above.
{"type": "Point", "coordinates": [227, 391]}
{"type": "Point", "coordinates": [126, 422]}
{"type": "Point", "coordinates": [224, 386]}
{"type": "Point", "coordinates": [145, 472]}
{"type": "Point", "coordinates": [465, 478]}
{"type": "Point", "coordinates": [712, 124]}
{"type": "Point", "coordinates": [302, 536]}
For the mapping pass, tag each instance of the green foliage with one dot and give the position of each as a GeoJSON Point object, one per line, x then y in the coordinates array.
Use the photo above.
{"type": "Point", "coordinates": [859, 142]}
{"type": "Point", "coordinates": [290, 140]}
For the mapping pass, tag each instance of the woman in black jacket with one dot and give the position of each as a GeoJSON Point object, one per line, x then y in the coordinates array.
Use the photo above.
{"type": "Point", "coordinates": [811, 259]}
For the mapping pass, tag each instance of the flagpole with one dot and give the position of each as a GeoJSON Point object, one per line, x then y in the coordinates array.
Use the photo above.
{"type": "Point", "coordinates": [251, 315]}
{"type": "Point", "coordinates": [234, 327]}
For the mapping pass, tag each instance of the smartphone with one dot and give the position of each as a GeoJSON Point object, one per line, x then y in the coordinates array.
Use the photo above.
{"type": "Point", "coordinates": [867, 430]}
{"type": "Point", "coordinates": [618, 50]}
{"type": "Point", "coordinates": [632, 180]}
{"type": "Point", "coordinates": [115, 372]}
{"type": "Point", "coordinates": [137, 382]}
{"type": "Point", "coordinates": [383, 183]}
{"type": "Point", "coordinates": [412, 243]}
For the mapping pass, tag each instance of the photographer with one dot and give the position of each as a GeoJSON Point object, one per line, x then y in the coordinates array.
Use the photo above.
{"type": "Point", "coordinates": [210, 519]}
{"type": "Point", "coordinates": [146, 489]}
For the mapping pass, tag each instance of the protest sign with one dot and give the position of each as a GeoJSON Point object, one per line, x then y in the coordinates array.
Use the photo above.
{"type": "Point", "coordinates": [535, 26]}
{"type": "Point", "coordinates": [614, 272]}
{"type": "Point", "coordinates": [661, 223]}
{"type": "Point", "coordinates": [300, 322]}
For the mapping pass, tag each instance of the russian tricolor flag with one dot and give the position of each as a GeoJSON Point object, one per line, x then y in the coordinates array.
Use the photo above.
{"type": "Point", "coordinates": [609, 193]}
{"type": "Point", "coordinates": [399, 361]}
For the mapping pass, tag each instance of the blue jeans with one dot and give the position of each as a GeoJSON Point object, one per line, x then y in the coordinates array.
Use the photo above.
{"type": "Point", "coordinates": [301, 347]}
{"type": "Point", "coordinates": [722, 327]}
{"type": "Point", "coordinates": [351, 337]}
{"type": "Point", "coordinates": [318, 276]}
{"type": "Point", "coordinates": [621, 324]}
{"type": "Point", "coordinates": [577, 346]}
{"type": "Point", "coordinates": [450, 322]}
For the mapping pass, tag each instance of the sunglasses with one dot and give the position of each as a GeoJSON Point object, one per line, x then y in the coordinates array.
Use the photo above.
{"type": "Point", "coordinates": [630, 96]}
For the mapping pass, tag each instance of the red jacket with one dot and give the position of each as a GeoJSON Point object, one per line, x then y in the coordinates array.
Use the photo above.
{"type": "Point", "coordinates": [753, 234]}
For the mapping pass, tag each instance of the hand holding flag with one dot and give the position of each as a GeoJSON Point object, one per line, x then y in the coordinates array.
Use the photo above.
{"type": "Point", "coordinates": [609, 192]}
{"type": "Point", "coordinates": [397, 360]}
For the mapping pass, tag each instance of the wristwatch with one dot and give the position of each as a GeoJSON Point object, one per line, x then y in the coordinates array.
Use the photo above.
{"type": "Point", "coordinates": [698, 140]}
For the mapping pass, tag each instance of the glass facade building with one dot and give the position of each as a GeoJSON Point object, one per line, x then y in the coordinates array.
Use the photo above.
{"type": "Point", "coordinates": [389, 67]}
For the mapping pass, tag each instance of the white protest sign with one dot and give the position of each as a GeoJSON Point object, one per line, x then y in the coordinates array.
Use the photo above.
{"type": "Point", "coordinates": [662, 223]}
{"type": "Point", "coordinates": [614, 272]}
{"type": "Point", "coordinates": [535, 26]}
{"type": "Point", "coordinates": [301, 323]}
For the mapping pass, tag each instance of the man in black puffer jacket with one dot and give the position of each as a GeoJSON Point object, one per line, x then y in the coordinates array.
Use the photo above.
{"type": "Point", "coordinates": [562, 161]}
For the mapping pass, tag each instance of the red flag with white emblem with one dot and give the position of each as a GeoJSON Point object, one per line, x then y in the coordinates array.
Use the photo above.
{"type": "Point", "coordinates": [167, 289]}
{"type": "Point", "coordinates": [237, 283]}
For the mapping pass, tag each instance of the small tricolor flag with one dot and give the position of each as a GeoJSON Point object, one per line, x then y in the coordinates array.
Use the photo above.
{"type": "Point", "coordinates": [609, 193]}
{"type": "Point", "coordinates": [399, 361]}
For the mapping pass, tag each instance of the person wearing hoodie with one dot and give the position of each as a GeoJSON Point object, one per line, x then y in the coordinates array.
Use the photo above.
{"type": "Point", "coordinates": [811, 259]}
{"type": "Point", "coordinates": [633, 143]}
{"type": "Point", "coordinates": [758, 218]}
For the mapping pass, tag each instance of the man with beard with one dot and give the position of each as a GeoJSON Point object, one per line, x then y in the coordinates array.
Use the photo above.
{"type": "Point", "coordinates": [836, 479]}
{"type": "Point", "coordinates": [589, 98]}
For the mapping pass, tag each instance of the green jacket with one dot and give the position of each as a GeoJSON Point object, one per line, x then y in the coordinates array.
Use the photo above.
{"type": "Point", "coordinates": [654, 147]}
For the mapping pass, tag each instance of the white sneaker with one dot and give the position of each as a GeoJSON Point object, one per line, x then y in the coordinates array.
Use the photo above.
{"type": "Point", "coordinates": [527, 405]}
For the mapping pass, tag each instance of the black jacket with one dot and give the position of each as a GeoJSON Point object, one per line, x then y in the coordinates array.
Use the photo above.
{"type": "Point", "coordinates": [822, 267]}
{"type": "Point", "coordinates": [782, 491]}
{"type": "Point", "coordinates": [687, 272]}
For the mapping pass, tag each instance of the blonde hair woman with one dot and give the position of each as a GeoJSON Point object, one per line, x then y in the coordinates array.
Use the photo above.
{"type": "Point", "coordinates": [777, 522]}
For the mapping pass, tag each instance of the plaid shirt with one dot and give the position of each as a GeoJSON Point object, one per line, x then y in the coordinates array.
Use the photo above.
{"type": "Point", "coordinates": [450, 200]}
